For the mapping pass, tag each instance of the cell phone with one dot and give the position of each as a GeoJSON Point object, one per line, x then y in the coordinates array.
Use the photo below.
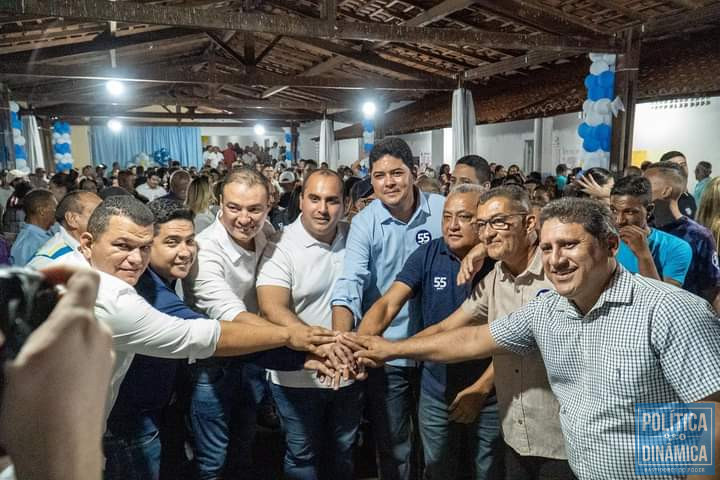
{"type": "Point", "coordinates": [26, 301]}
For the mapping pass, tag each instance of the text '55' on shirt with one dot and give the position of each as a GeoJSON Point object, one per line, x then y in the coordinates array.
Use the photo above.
{"type": "Point", "coordinates": [377, 247]}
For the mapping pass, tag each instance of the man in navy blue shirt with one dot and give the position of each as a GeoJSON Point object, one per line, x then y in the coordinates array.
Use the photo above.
{"type": "Point", "coordinates": [457, 402]}
{"type": "Point", "coordinates": [703, 277]}
{"type": "Point", "coordinates": [132, 441]}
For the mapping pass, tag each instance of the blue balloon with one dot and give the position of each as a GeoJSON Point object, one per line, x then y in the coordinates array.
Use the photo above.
{"type": "Point", "coordinates": [288, 138]}
{"type": "Point", "coordinates": [591, 81]}
{"type": "Point", "coordinates": [368, 125]}
{"type": "Point", "coordinates": [591, 144]}
{"type": "Point", "coordinates": [16, 123]}
{"type": "Point", "coordinates": [20, 152]}
{"type": "Point", "coordinates": [605, 144]}
{"type": "Point", "coordinates": [608, 92]}
{"type": "Point", "coordinates": [62, 148]}
{"type": "Point", "coordinates": [596, 93]}
{"type": "Point", "coordinates": [603, 132]}
{"type": "Point", "coordinates": [368, 146]}
{"type": "Point", "coordinates": [584, 130]}
{"type": "Point", "coordinates": [606, 79]}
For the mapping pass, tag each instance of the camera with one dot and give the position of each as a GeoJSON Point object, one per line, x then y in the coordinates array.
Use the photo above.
{"type": "Point", "coordinates": [26, 300]}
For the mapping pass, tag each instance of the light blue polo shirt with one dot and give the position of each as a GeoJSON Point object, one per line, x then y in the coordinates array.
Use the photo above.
{"type": "Point", "coordinates": [672, 255]}
{"type": "Point", "coordinates": [377, 247]}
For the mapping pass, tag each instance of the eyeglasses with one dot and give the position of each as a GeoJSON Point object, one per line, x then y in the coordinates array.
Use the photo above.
{"type": "Point", "coordinates": [499, 222]}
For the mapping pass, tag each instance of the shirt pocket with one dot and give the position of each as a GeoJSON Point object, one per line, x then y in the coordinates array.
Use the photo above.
{"type": "Point", "coordinates": [625, 374]}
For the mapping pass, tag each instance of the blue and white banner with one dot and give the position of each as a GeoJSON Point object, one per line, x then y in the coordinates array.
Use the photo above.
{"type": "Point", "coordinates": [61, 146]}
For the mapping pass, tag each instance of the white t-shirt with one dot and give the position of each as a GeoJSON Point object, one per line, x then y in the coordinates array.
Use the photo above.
{"type": "Point", "coordinates": [151, 193]}
{"type": "Point", "coordinates": [137, 327]}
{"type": "Point", "coordinates": [309, 269]}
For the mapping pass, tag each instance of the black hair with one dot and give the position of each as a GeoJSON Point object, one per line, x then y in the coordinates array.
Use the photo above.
{"type": "Point", "coordinates": [602, 176]}
{"type": "Point", "coordinates": [395, 147]}
{"type": "Point", "coordinates": [167, 209]}
{"type": "Point", "coordinates": [671, 154]}
{"type": "Point", "coordinates": [71, 202]}
{"type": "Point", "coordinates": [481, 166]}
{"type": "Point", "coordinates": [594, 216]}
{"type": "Point", "coordinates": [119, 206]}
{"type": "Point", "coordinates": [36, 201]}
{"type": "Point", "coordinates": [634, 186]}
{"type": "Point", "coordinates": [561, 169]}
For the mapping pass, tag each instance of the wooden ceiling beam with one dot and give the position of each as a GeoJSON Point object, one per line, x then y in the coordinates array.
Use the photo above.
{"type": "Point", "coordinates": [620, 7]}
{"type": "Point", "coordinates": [259, 78]}
{"type": "Point", "coordinates": [99, 44]}
{"type": "Point", "coordinates": [699, 16]}
{"type": "Point", "coordinates": [209, 19]}
{"type": "Point", "coordinates": [504, 66]}
{"type": "Point", "coordinates": [62, 110]}
{"type": "Point", "coordinates": [268, 49]}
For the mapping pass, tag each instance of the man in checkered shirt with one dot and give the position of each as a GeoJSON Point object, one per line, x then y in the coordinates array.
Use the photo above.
{"type": "Point", "coordinates": [609, 339]}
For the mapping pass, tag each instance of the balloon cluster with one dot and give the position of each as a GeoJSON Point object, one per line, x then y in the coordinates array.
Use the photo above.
{"type": "Point", "coordinates": [596, 129]}
{"type": "Point", "coordinates": [18, 139]}
{"type": "Point", "coordinates": [368, 134]}
{"type": "Point", "coordinates": [61, 146]}
{"type": "Point", "coordinates": [161, 157]}
{"type": "Point", "coordinates": [288, 144]}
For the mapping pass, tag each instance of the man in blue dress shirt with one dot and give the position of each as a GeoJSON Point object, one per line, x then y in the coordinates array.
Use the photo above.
{"type": "Point", "coordinates": [382, 237]}
{"type": "Point", "coordinates": [39, 206]}
{"type": "Point", "coordinates": [457, 402]}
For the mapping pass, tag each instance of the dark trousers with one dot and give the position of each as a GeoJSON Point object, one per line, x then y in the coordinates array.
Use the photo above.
{"type": "Point", "coordinates": [518, 467]}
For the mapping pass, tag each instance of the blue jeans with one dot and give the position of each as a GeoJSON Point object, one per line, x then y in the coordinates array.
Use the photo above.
{"type": "Point", "coordinates": [132, 456]}
{"type": "Point", "coordinates": [392, 403]}
{"type": "Point", "coordinates": [221, 408]}
{"type": "Point", "coordinates": [444, 440]}
{"type": "Point", "coordinates": [320, 427]}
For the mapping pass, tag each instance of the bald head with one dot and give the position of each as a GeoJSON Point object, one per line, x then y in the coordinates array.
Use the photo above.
{"type": "Point", "coordinates": [74, 210]}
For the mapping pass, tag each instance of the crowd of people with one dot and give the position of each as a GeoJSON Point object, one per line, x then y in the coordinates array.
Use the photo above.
{"type": "Point", "coordinates": [484, 322]}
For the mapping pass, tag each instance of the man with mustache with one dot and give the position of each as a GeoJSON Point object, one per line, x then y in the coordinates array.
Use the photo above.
{"type": "Point", "coordinates": [457, 402]}
{"type": "Point", "coordinates": [382, 237]}
{"type": "Point", "coordinates": [609, 339]}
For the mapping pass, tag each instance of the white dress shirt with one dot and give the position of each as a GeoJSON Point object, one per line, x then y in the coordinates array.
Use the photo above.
{"type": "Point", "coordinates": [137, 327]}
{"type": "Point", "coordinates": [222, 283]}
{"type": "Point", "coordinates": [309, 268]}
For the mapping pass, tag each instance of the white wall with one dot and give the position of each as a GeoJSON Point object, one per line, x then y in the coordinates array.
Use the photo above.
{"type": "Point", "coordinates": [504, 143]}
{"type": "Point", "coordinates": [695, 131]}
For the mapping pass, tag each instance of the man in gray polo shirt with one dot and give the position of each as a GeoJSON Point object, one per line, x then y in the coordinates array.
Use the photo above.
{"type": "Point", "coordinates": [609, 339]}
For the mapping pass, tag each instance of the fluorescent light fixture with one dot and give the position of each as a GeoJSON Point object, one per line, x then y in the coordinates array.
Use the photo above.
{"type": "Point", "coordinates": [369, 109]}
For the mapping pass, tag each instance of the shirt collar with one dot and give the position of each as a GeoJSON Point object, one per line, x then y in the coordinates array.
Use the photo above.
{"type": "Point", "coordinates": [68, 239]}
{"type": "Point", "coordinates": [158, 279]}
{"type": "Point", "coordinates": [307, 239]}
{"type": "Point", "coordinates": [34, 229]}
{"type": "Point", "coordinates": [535, 267]}
{"type": "Point", "coordinates": [423, 206]}
{"type": "Point", "coordinates": [230, 246]}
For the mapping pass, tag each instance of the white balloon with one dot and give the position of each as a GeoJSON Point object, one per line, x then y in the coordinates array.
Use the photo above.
{"type": "Point", "coordinates": [19, 141]}
{"type": "Point", "coordinates": [596, 68]}
{"type": "Point", "coordinates": [58, 157]}
{"type": "Point", "coordinates": [588, 106]}
{"type": "Point", "coordinates": [593, 119]}
{"type": "Point", "coordinates": [16, 132]}
{"type": "Point", "coordinates": [14, 107]}
{"type": "Point", "coordinates": [594, 57]}
{"type": "Point", "coordinates": [609, 58]}
{"type": "Point", "coordinates": [67, 157]}
{"type": "Point", "coordinates": [607, 119]}
{"type": "Point", "coordinates": [56, 135]}
{"type": "Point", "coordinates": [602, 106]}
{"type": "Point", "coordinates": [66, 136]}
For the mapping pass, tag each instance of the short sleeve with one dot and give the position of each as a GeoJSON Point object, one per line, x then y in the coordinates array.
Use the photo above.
{"type": "Point", "coordinates": [275, 268]}
{"type": "Point", "coordinates": [677, 260]}
{"type": "Point", "coordinates": [413, 271]}
{"type": "Point", "coordinates": [476, 305]}
{"type": "Point", "coordinates": [685, 333]}
{"type": "Point", "coordinates": [514, 332]}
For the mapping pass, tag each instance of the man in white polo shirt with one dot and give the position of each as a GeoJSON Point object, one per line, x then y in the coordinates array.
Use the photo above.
{"type": "Point", "coordinates": [294, 285]}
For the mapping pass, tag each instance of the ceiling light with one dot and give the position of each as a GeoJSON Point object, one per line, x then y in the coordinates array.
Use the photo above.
{"type": "Point", "coordinates": [115, 87]}
{"type": "Point", "coordinates": [114, 125]}
{"type": "Point", "coordinates": [259, 130]}
{"type": "Point", "coordinates": [369, 109]}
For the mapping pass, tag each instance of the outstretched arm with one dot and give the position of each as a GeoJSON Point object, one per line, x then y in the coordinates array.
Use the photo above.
{"type": "Point", "coordinates": [381, 314]}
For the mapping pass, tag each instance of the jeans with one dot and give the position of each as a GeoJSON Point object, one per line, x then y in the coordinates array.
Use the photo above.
{"type": "Point", "coordinates": [445, 442]}
{"type": "Point", "coordinates": [132, 455]}
{"type": "Point", "coordinates": [320, 426]}
{"type": "Point", "coordinates": [392, 404]}
{"type": "Point", "coordinates": [518, 467]}
{"type": "Point", "coordinates": [221, 408]}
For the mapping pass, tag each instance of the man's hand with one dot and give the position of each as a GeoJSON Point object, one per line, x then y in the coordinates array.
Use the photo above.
{"type": "Point", "coordinates": [373, 351]}
{"type": "Point", "coordinates": [635, 238]}
{"type": "Point", "coordinates": [472, 263]}
{"type": "Point", "coordinates": [323, 370]}
{"type": "Point", "coordinates": [53, 403]}
{"type": "Point", "coordinates": [305, 338]}
{"type": "Point", "coordinates": [467, 405]}
{"type": "Point", "coordinates": [591, 187]}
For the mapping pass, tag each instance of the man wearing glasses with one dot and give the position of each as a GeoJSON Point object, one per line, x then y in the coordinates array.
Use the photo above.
{"type": "Point", "coordinates": [457, 402]}
{"type": "Point", "coordinates": [529, 411]}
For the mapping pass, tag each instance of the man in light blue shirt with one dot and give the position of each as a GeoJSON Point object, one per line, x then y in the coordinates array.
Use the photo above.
{"type": "Point", "coordinates": [381, 239]}
{"type": "Point", "coordinates": [39, 206]}
{"type": "Point", "coordinates": [702, 175]}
